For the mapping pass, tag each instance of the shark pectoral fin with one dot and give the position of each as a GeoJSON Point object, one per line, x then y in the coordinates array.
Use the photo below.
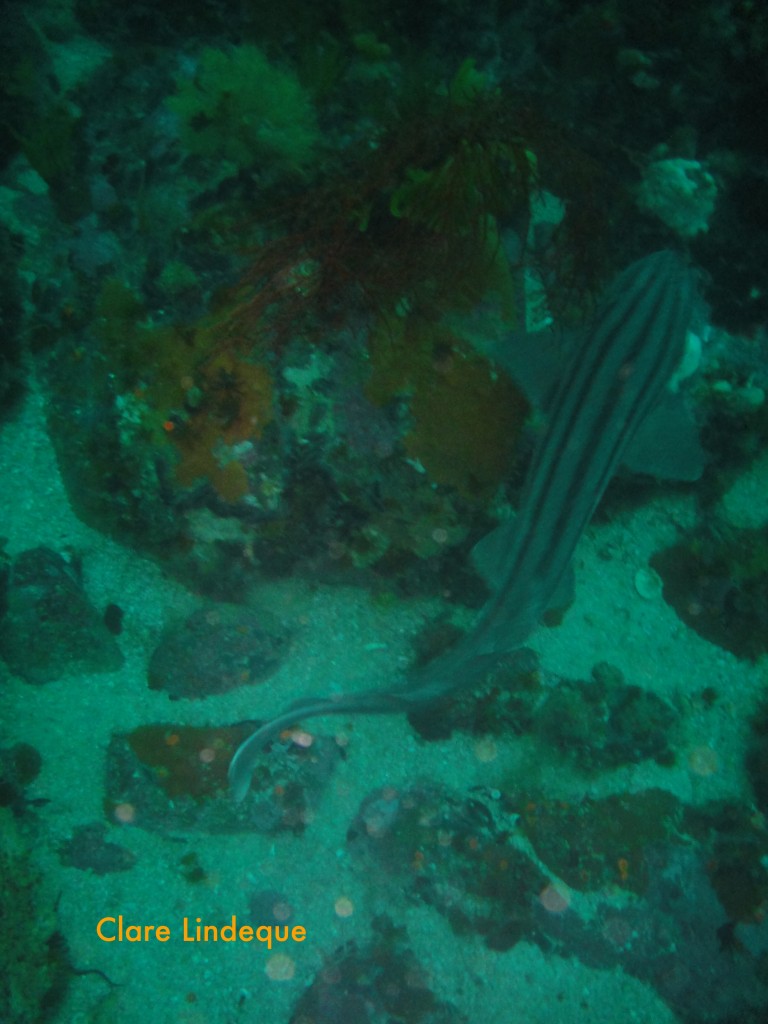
{"type": "Point", "coordinates": [666, 444]}
{"type": "Point", "coordinates": [489, 554]}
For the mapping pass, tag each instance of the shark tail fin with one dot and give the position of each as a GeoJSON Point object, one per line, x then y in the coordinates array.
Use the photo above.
{"type": "Point", "coordinates": [243, 764]}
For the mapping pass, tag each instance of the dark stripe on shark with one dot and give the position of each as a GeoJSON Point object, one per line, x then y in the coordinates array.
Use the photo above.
{"type": "Point", "coordinates": [612, 381]}
{"type": "Point", "coordinates": [610, 385]}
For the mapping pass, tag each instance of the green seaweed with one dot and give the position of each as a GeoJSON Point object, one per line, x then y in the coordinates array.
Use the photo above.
{"type": "Point", "coordinates": [242, 108]}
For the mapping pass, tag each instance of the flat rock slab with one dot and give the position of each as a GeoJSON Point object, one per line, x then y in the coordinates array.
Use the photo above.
{"type": "Point", "coordinates": [214, 650]}
{"type": "Point", "coordinates": [88, 849]}
{"type": "Point", "coordinates": [50, 627]}
{"type": "Point", "coordinates": [167, 778]}
{"type": "Point", "coordinates": [381, 980]}
{"type": "Point", "coordinates": [454, 853]}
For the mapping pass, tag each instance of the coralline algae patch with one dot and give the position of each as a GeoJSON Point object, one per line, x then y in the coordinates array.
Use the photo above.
{"type": "Point", "coordinates": [643, 882]}
{"type": "Point", "coordinates": [185, 387]}
{"type": "Point", "coordinates": [466, 416]}
{"type": "Point", "coordinates": [384, 439]}
{"type": "Point", "coordinates": [235, 405]}
{"type": "Point", "coordinates": [165, 777]}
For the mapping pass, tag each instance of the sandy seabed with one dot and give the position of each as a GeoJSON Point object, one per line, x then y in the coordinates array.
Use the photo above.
{"type": "Point", "coordinates": [343, 640]}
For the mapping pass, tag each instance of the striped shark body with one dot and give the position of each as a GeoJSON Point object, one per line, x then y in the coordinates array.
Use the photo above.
{"type": "Point", "coordinates": [609, 387]}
